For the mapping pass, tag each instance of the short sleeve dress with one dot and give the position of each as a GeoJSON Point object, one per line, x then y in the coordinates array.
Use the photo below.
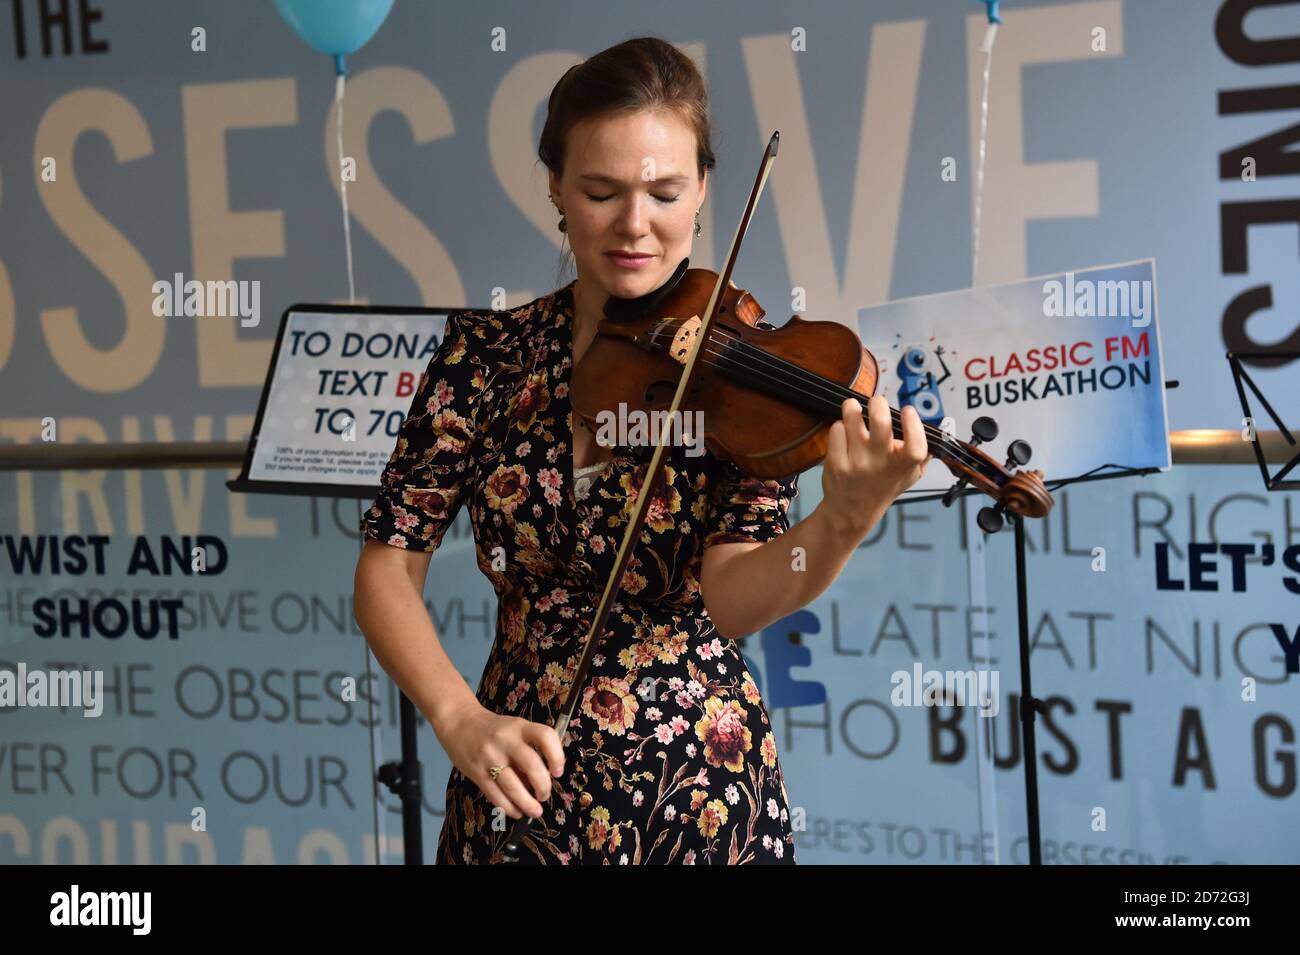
{"type": "Point", "coordinates": [671, 757]}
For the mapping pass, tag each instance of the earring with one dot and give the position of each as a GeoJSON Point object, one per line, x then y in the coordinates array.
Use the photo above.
{"type": "Point", "coordinates": [697, 222]}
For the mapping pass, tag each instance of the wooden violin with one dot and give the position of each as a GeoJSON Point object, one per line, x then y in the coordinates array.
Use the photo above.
{"type": "Point", "coordinates": [768, 395]}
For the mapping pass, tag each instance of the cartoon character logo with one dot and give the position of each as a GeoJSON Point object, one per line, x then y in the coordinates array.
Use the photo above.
{"type": "Point", "coordinates": [920, 388]}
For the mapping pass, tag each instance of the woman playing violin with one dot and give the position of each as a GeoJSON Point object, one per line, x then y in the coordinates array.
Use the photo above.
{"type": "Point", "coordinates": [671, 757]}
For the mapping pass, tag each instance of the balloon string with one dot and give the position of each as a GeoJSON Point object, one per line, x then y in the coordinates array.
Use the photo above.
{"type": "Point", "coordinates": [987, 50]}
{"type": "Point", "coordinates": [343, 187]}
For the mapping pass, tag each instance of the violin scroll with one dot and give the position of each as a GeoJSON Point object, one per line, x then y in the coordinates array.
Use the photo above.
{"type": "Point", "coordinates": [1023, 493]}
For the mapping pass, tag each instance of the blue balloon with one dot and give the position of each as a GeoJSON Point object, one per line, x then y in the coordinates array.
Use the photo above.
{"type": "Point", "coordinates": [992, 6]}
{"type": "Point", "coordinates": [336, 27]}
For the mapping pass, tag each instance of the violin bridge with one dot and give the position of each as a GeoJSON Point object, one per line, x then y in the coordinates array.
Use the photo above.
{"type": "Point", "coordinates": [683, 340]}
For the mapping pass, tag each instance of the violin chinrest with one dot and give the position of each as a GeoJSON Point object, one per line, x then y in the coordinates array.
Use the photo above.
{"type": "Point", "coordinates": [623, 309]}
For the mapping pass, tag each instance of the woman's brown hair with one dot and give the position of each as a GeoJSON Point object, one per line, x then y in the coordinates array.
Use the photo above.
{"type": "Point", "coordinates": [642, 73]}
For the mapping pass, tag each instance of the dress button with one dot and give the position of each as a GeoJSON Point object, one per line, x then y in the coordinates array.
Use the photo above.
{"type": "Point", "coordinates": [585, 800]}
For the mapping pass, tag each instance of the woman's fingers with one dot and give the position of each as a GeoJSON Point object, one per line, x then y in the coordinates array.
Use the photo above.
{"type": "Point", "coordinates": [497, 796]}
{"type": "Point", "coordinates": [882, 427]}
{"type": "Point", "coordinates": [856, 438]}
{"type": "Point", "coordinates": [837, 447]}
{"type": "Point", "coordinates": [517, 793]}
{"type": "Point", "coordinates": [543, 739]}
{"type": "Point", "coordinates": [530, 768]}
{"type": "Point", "coordinates": [915, 445]}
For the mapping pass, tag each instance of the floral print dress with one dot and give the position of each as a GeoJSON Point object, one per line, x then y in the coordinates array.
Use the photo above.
{"type": "Point", "coordinates": [670, 757]}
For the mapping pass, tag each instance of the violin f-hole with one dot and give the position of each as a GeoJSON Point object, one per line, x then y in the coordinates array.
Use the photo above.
{"type": "Point", "coordinates": [660, 393]}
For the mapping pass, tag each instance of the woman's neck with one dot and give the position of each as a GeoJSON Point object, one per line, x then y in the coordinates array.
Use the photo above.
{"type": "Point", "coordinates": [588, 307]}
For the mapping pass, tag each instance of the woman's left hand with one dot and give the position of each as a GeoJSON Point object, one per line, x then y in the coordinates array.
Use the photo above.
{"type": "Point", "coordinates": [866, 467]}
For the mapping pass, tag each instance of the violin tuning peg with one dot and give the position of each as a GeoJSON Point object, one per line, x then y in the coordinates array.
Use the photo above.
{"type": "Point", "coordinates": [989, 520]}
{"type": "Point", "coordinates": [983, 429]}
{"type": "Point", "coordinates": [1019, 453]}
{"type": "Point", "coordinates": [952, 492]}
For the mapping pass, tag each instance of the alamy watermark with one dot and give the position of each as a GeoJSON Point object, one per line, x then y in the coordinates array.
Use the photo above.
{"type": "Point", "coordinates": [634, 427]}
{"type": "Point", "coordinates": [62, 688]}
{"type": "Point", "coordinates": [133, 909]}
{"type": "Point", "coordinates": [227, 299]}
{"type": "Point", "coordinates": [1085, 298]}
{"type": "Point", "coordinates": [921, 687]}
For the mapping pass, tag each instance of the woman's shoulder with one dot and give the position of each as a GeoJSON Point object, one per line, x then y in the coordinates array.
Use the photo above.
{"type": "Point", "coordinates": [489, 330]}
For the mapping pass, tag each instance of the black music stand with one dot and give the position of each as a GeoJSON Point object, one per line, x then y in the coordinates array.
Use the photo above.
{"type": "Point", "coordinates": [991, 521]}
{"type": "Point", "coordinates": [1278, 481]}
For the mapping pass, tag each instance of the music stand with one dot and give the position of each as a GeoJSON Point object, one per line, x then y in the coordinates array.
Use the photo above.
{"type": "Point", "coordinates": [1278, 481]}
{"type": "Point", "coordinates": [1030, 706]}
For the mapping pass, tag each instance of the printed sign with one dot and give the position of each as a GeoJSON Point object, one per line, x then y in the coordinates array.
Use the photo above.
{"type": "Point", "coordinates": [1070, 363]}
{"type": "Point", "coordinates": [340, 387]}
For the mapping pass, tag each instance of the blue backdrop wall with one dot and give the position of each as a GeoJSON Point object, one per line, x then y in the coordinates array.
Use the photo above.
{"type": "Point", "coordinates": [1117, 130]}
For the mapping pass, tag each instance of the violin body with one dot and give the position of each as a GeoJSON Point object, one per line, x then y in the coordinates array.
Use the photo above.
{"type": "Point", "coordinates": [768, 395]}
{"type": "Point", "coordinates": [637, 363]}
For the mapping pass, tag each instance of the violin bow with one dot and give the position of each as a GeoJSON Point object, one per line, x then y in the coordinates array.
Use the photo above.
{"type": "Point", "coordinates": [512, 850]}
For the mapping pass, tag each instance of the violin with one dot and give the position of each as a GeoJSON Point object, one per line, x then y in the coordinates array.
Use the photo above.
{"type": "Point", "coordinates": [768, 397]}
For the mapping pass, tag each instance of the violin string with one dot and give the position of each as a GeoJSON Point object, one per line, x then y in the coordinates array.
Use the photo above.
{"type": "Point", "coordinates": [941, 446]}
{"type": "Point", "coordinates": [825, 390]}
{"type": "Point", "coordinates": [940, 441]}
{"type": "Point", "coordinates": [944, 446]}
{"type": "Point", "coordinates": [824, 385]}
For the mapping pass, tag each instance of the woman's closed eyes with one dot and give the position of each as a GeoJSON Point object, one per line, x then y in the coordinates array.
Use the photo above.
{"type": "Point", "coordinates": [664, 199]}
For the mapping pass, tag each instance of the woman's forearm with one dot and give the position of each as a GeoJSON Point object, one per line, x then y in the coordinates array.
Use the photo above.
{"type": "Point", "coordinates": [391, 614]}
{"type": "Point", "coordinates": [758, 587]}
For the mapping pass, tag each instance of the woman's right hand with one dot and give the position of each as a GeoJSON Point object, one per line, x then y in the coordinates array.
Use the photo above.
{"type": "Point", "coordinates": [476, 739]}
